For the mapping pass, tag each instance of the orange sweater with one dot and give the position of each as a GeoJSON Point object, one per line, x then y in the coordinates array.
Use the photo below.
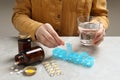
{"type": "Point", "coordinates": [61, 14]}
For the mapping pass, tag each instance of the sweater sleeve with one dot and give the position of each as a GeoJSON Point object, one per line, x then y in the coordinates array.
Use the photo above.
{"type": "Point", "coordinates": [100, 12]}
{"type": "Point", "coordinates": [21, 18]}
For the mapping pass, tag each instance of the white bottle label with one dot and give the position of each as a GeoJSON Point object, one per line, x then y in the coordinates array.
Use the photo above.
{"type": "Point", "coordinates": [33, 51]}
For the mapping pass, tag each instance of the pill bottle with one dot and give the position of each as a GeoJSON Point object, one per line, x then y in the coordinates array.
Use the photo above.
{"type": "Point", "coordinates": [24, 42]}
{"type": "Point", "coordinates": [36, 54]}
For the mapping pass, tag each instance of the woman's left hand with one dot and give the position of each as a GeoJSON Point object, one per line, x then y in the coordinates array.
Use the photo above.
{"type": "Point", "coordinates": [99, 37]}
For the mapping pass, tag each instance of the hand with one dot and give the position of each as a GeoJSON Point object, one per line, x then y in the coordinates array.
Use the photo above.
{"type": "Point", "coordinates": [99, 37]}
{"type": "Point", "coordinates": [47, 36]}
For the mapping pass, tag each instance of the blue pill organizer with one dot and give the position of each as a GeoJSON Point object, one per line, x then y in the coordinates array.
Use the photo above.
{"type": "Point", "coordinates": [81, 58]}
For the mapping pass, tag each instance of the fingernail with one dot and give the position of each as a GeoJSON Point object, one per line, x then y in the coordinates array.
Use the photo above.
{"type": "Point", "coordinates": [63, 43]}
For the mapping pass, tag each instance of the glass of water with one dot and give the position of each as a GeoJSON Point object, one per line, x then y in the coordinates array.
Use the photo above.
{"type": "Point", "coordinates": [87, 30]}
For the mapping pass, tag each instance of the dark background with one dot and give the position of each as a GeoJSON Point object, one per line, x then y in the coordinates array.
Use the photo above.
{"type": "Point", "coordinates": [7, 29]}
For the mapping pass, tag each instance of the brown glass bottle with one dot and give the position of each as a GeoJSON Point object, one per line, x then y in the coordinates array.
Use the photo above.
{"type": "Point", "coordinates": [36, 54]}
{"type": "Point", "coordinates": [24, 43]}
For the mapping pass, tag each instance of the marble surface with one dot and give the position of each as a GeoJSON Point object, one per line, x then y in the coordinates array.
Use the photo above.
{"type": "Point", "coordinates": [106, 67]}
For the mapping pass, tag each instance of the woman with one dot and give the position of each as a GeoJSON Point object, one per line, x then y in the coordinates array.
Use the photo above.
{"type": "Point", "coordinates": [47, 20]}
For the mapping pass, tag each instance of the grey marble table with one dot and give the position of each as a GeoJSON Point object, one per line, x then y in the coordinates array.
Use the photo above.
{"type": "Point", "coordinates": [106, 67]}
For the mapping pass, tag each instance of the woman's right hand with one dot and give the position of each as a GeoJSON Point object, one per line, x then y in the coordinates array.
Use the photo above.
{"type": "Point", "coordinates": [46, 35]}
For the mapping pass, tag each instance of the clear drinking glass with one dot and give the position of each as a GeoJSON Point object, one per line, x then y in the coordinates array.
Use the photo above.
{"type": "Point", "coordinates": [87, 30]}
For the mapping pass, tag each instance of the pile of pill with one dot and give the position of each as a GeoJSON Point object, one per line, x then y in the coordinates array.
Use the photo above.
{"type": "Point", "coordinates": [52, 68]}
{"type": "Point", "coordinates": [16, 69]}
{"type": "Point", "coordinates": [28, 70]}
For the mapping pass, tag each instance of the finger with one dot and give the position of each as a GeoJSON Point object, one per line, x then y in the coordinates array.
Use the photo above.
{"type": "Point", "coordinates": [78, 31]}
{"type": "Point", "coordinates": [58, 39]}
{"type": "Point", "coordinates": [100, 34]}
{"type": "Point", "coordinates": [45, 42]}
{"type": "Point", "coordinates": [55, 35]}
{"type": "Point", "coordinates": [50, 38]}
{"type": "Point", "coordinates": [98, 42]}
{"type": "Point", "coordinates": [100, 38]}
{"type": "Point", "coordinates": [41, 38]}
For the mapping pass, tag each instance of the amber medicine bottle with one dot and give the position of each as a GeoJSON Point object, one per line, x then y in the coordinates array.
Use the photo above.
{"type": "Point", "coordinates": [24, 43]}
{"type": "Point", "coordinates": [36, 54]}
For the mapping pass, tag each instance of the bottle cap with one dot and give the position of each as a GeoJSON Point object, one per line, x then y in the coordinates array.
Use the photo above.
{"type": "Point", "coordinates": [23, 36]}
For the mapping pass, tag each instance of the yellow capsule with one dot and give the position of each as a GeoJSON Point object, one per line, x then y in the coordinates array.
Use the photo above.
{"type": "Point", "coordinates": [30, 70]}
